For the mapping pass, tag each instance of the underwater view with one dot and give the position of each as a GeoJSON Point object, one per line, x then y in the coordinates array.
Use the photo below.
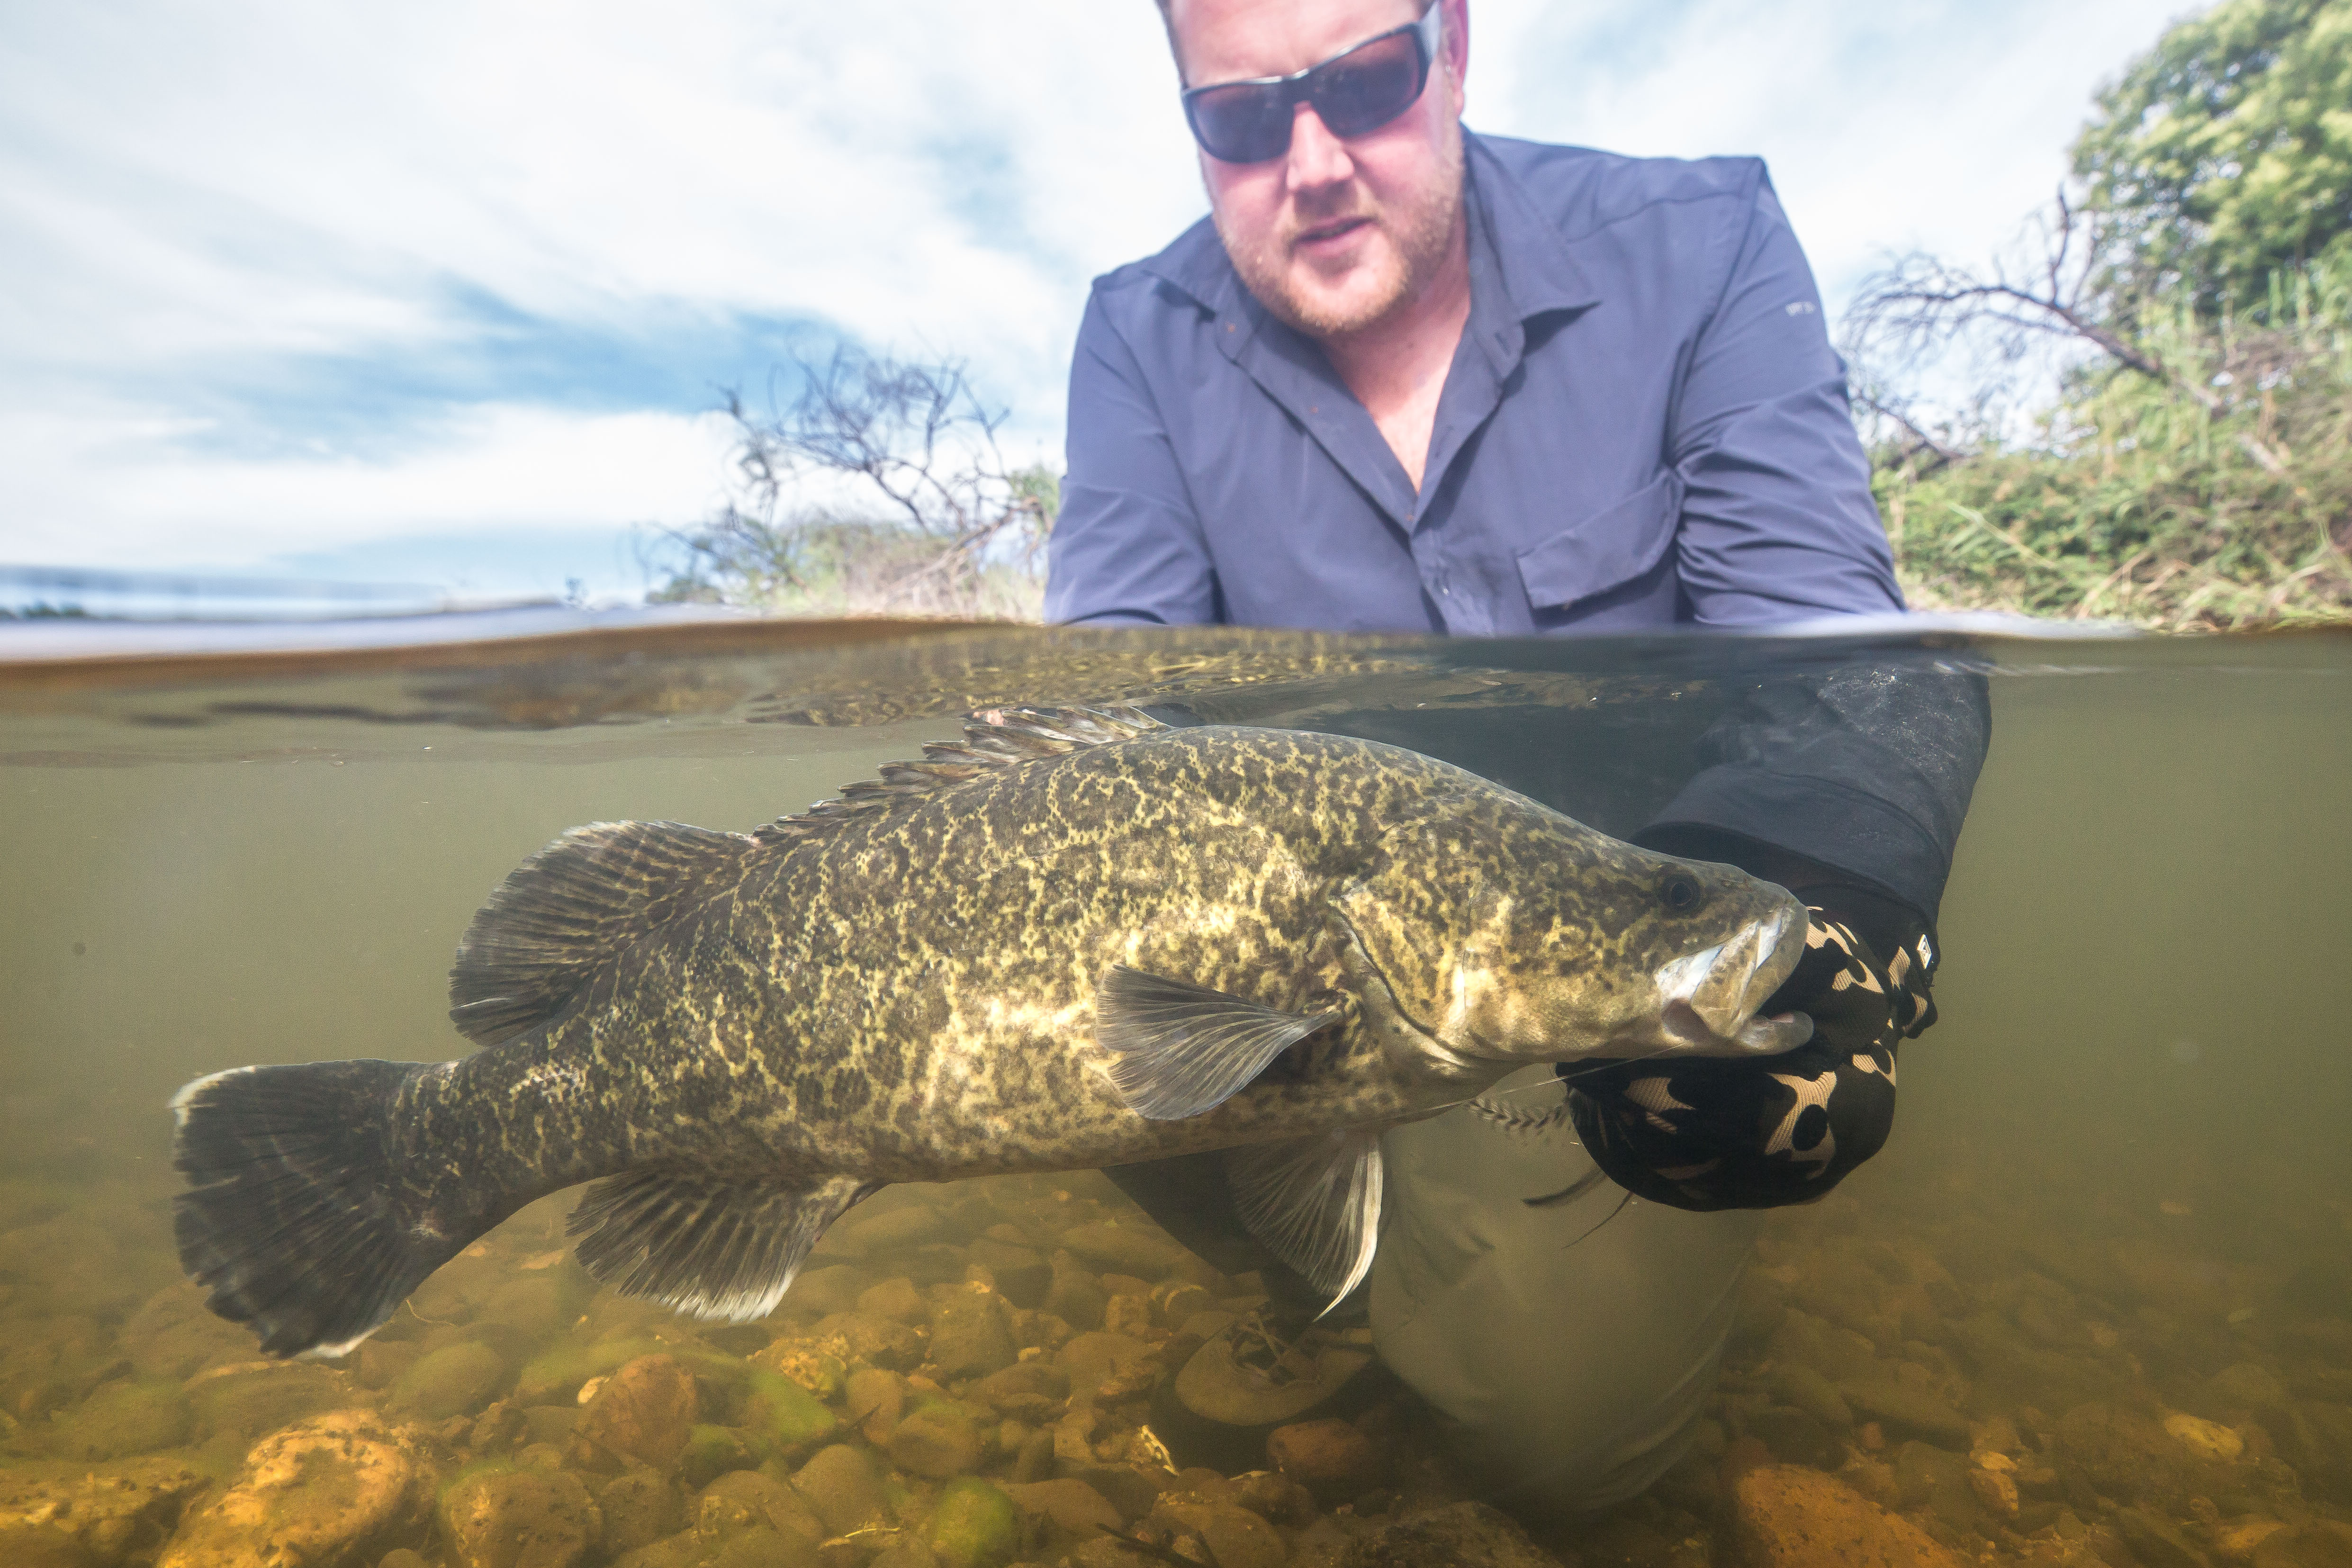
{"type": "Point", "coordinates": [2092, 1304]}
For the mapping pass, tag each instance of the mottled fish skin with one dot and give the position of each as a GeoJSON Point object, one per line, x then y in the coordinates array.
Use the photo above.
{"type": "Point", "coordinates": [909, 996]}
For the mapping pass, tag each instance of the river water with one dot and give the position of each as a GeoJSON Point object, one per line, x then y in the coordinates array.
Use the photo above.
{"type": "Point", "coordinates": [2093, 1304]}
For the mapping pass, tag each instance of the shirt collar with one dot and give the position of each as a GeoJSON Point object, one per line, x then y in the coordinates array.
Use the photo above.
{"type": "Point", "coordinates": [1526, 257]}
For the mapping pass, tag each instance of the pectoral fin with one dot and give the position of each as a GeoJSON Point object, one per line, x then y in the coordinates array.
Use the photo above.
{"type": "Point", "coordinates": [1315, 1202]}
{"type": "Point", "coordinates": [1184, 1048]}
{"type": "Point", "coordinates": [697, 1244]}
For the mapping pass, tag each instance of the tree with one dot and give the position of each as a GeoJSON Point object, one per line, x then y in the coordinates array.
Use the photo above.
{"type": "Point", "coordinates": [2223, 157]}
{"type": "Point", "coordinates": [880, 487]}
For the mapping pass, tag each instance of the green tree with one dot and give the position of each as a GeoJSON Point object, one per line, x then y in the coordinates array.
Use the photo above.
{"type": "Point", "coordinates": [2223, 157]}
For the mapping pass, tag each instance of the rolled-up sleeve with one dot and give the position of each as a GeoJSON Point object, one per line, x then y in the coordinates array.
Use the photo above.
{"type": "Point", "coordinates": [1777, 520]}
{"type": "Point", "coordinates": [1127, 548]}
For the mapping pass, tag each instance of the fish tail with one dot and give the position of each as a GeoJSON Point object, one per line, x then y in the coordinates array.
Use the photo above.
{"type": "Point", "coordinates": [293, 1215]}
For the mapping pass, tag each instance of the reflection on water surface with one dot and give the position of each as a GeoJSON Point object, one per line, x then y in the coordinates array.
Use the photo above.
{"type": "Point", "coordinates": [2094, 1303]}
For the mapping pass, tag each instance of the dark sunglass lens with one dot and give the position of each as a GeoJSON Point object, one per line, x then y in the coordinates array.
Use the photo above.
{"type": "Point", "coordinates": [1242, 123]}
{"type": "Point", "coordinates": [1366, 89]}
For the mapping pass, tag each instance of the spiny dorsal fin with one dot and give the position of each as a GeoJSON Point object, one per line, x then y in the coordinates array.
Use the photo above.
{"type": "Point", "coordinates": [995, 738]}
{"type": "Point", "coordinates": [721, 1251]}
{"type": "Point", "coordinates": [565, 912]}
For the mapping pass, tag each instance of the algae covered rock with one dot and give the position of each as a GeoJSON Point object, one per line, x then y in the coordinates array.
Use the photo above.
{"type": "Point", "coordinates": [132, 1416]}
{"type": "Point", "coordinates": [641, 1415]}
{"type": "Point", "coordinates": [255, 1397]}
{"type": "Point", "coordinates": [712, 1451]}
{"type": "Point", "coordinates": [781, 1413]}
{"type": "Point", "coordinates": [875, 1341]}
{"type": "Point", "coordinates": [456, 1380]}
{"type": "Point", "coordinates": [972, 1334]}
{"type": "Point", "coordinates": [1235, 1537]}
{"type": "Point", "coordinates": [173, 1336]}
{"type": "Point", "coordinates": [975, 1525]}
{"type": "Point", "coordinates": [75, 1516]}
{"type": "Point", "coordinates": [1785, 1516]}
{"type": "Point", "coordinates": [499, 1517]}
{"type": "Point", "coordinates": [1124, 1250]}
{"type": "Point", "coordinates": [755, 1518]}
{"type": "Point", "coordinates": [842, 1486]}
{"type": "Point", "coordinates": [809, 1363]}
{"type": "Point", "coordinates": [639, 1509]}
{"type": "Point", "coordinates": [1466, 1536]}
{"type": "Point", "coordinates": [335, 1491]}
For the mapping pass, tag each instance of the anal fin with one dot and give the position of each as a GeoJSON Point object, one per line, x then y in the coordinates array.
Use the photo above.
{"type": "Point", "coordinates": [715, 1250]}
{"type": "Point", "coordinates": [1185, 1049]}
{"type": "Point", "coordinates": [1315, 1202]}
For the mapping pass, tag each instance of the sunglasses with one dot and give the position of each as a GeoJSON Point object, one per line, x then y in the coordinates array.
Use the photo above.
{"type": "Point", "coordinates": [1355, 91]}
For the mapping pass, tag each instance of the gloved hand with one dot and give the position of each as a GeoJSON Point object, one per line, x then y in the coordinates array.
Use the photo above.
{"type": "Point", "coordinates": [1716, 1133]}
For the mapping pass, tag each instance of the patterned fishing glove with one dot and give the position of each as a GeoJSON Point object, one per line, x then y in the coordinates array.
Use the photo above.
{"type": "Point", "coordinates": [1720, 1134]}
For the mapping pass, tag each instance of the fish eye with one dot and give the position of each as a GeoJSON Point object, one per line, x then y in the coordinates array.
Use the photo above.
{"type": "Point", "coordinates": [1682, 894]}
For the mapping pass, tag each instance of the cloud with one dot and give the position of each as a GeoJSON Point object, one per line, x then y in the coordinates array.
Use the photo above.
{"type": "Point", "coordinates": [286, 280]}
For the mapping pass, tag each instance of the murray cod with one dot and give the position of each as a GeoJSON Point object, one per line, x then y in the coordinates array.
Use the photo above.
{"type": "Point", "coordinates": [1078, 938]}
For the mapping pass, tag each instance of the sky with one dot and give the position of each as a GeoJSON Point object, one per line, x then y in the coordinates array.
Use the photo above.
{"type": "Point", "coordinates": [448, 292]}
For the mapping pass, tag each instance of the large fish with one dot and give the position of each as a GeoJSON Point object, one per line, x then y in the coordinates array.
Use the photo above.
{"type": "Point", "coordinates": [1078, 938]}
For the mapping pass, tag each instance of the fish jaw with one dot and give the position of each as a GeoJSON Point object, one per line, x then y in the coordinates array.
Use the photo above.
{"type": "Point", "coordinates": [1708, 999]}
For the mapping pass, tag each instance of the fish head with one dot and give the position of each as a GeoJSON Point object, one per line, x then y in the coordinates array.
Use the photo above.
{"type": "Point", "coordinates": [1524, 936]}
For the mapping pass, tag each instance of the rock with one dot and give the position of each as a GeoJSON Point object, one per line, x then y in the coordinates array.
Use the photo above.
{"type": "Point", "coordinates": [506, 1518]}
{"type": "Point", "coordinates": [2156, 1543]}
{"type": "Point", "coordinates": [807, 1361]}
{"type": "Point", "coordinates": [1129, 1315]}
{"type": "Point", "coordinates": [1236, 1537]}
{"type": "Point", "coordinates": [821, 1292]}
{"type": "Point", "coordinates": [2321, 1543]}
{"type": "Point", "coordinates": [912, 1224]}
{"type": "Point", "coordinates": [2245, 1387]}
{"type": "Point", "coordinates": [1022, 1273]}
{"type": "Point", "coordinates": [1939, 1480]}
{"type": "Point", "coordinates": [404, 1557]}
{"type": "Point", "coordinates": [906, 1551]}
{"type": "Point", "coordinates": [1996, 1491]}
{"type": "Point", "coordinates": [2205, 1439]}
{"type": "Point", "coordinates": [249, 1400]}
{"type": "Point", "coordinates": [974, 1526]}
{"type": "Point", "coordinates": [1801, 1387]}
{"type": "Point", "coordinates": [1130, 1489]}
{"type": "Point", "coordinates": [2119, 1454]}
{"type": "Point", "coordinates": [57, 1516]}
{"type": "Point", "coordinates": [783, 1415]}
{"type": "Point", "coordinates": [1795, 1436]}
{"type": "Point", "coordinates": [639, 1509]}
{"type": "Point", "coordinates": [1123, 1250]}
{"type": "Point", "coordinates": [972, 1334]}
{"type": "Point", "coordinates": [747, 1500]}
{"type": "Point", "coordinates": [939, 1440]}
{"type": "Point", "coordinates": [1033, 1391]}
{"type": "Point", "coordinates": [1908, 1413]}
{"type": "Point", "coordinates": [1070, 1506]}
{"type": "Point", "coordinates": [641, 1415]}
{"type": "Point", "coordinates": [1784, 1516]}
{"type": "Point", "coordinates": [1076, 1295]}
{"type": "Point", "coordinates": [1274, 1498]}
{"type": "Point", "coordinates": [711, 1451]}
{"type": "Point", "coordinates": [1175, 1302]}
{"type": "Point", "coordinates": [456, 1380]}
{"type": "Point", "coordinates": [133, 1417]}
{"type": "Point", "coordinates": [1328, 1458]}
{"type": "Point", "coordinates": [173, 1336]}
{"type": "Point", "coordinates": [873, 1400]}
{"type": "Point", "coordinates": [1092, 1359]}
{"type": "Point", "coordinates": [1838, 1354]}
{"type": "Point", "coordinates": [878, 1341]}
{"type": "Point", "coordinates": [841, 1487]}
{"type": "Point", "coordinates": [334, 1491]}
{"type": "Point", "coordinates": [1463, 1535]}
{"type": "Point", "coordinates": [2237, 1539]}
{"type": "Point", "coordinates": [896, 1299]}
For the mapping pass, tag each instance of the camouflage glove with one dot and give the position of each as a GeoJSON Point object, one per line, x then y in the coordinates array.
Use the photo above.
{"type": "Point", "coordinates": [1716, 1134]}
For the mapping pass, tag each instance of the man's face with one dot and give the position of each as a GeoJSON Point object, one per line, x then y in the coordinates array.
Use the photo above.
{"type": "Point", "coordinates": [1334, 236]}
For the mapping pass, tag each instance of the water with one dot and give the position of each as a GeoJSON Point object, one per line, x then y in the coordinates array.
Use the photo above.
{"type": "Point", "coordinates": [2118, 1192]}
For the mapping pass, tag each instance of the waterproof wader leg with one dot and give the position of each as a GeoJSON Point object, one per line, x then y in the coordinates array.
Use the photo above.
{"type": "Point", "coordinates": [1570, 1344]}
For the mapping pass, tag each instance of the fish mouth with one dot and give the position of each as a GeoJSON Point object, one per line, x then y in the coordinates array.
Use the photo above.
{"type": "Point", "coordinates": [1708, 998]}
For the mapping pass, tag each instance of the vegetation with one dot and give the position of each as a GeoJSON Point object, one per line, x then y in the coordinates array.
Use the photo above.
{"type": "Point", "coordinates": [880, 490]}
{"type": "Point", "coordinates": [2193, 470]}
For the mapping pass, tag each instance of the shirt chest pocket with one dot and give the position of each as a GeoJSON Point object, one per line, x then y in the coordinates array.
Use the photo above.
{"type": "Point", "coordinates": [1604, 549]}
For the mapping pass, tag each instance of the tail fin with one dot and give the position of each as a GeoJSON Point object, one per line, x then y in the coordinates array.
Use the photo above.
{"type": "Point", "coordinates": [290, 1218]}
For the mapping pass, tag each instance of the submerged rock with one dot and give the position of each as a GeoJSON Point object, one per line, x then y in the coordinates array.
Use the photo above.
{"type": "Point", "coordinates": [639, 1509]}
{"type": "Point", "coordinates": [506, 1518]}
{"type": "Point", "coordinates": [938, 1440]}
{"type": "Point", "coordinates": [456, 1380]}
{"type": "Point", "coordinates": [1124, 1250]}
{"type": "Point", "coordinates": [1328, 1458]}
{"type": "Point", "coordinates": [972, 1334]}
{"type": "Point", "coordinates": [1235, 1537]}
{"type": "Point", "coordinates": [1908, 1413]}
{"type": "Point", "coordinates": [641, 1415]}
{"type": "Point", "coordinates": [124, 1418]}
{"type": "Point", "coordinates": [1785, 1516]}
{"type": "Point", "coordinates": [783, 1415]}
{"type": "Point", "coordinates": [1068, 1505]}
{"type": "Point", "coordinates": [842, 1486]}
{"type": "Point", "coordinates": [255, 1397]}
{"type": "Point", "coordinates": [975, 1526]}
{"type": "Point", "coordinates": [1464, 1535]}
{"type": "Point", "coordinates": [70, 1517]}
{"type": "Point", "coordinates": [756, 1519]}
{"type": "Point", "coordinates": [336, 1490]}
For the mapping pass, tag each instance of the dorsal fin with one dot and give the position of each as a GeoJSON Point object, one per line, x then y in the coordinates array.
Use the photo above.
{"type": "Point", "coordinates": [565, 912]}
{"type": "Point", "coordinates": [995, 738]}
{"type": "Point", "coordinates": [568, 910]}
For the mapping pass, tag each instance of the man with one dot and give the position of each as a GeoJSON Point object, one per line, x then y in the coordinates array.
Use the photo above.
{"type": "Point", "coordinates": [1407, 378]}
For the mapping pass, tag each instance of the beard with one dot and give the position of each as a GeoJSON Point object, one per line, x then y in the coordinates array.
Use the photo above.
{"type": "Point", "coordinates": [1418, 224]}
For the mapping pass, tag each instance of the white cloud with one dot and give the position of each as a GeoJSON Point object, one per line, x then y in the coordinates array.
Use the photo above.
{"type": "Point", "coordinates": [198, 203]}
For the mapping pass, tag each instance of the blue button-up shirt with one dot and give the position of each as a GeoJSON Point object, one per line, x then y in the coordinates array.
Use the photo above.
{"type": "Point", "coordinates": [1643, 423]}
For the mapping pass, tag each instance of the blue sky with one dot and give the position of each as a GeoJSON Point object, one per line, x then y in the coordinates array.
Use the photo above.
{"type": "Point", "coordinates": [445, 292]}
